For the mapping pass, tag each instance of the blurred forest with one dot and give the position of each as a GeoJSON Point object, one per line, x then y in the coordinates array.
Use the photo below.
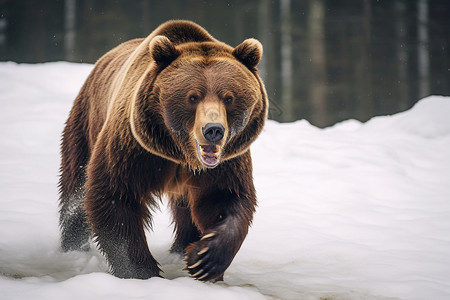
{"type": "Point", "coordinates": [324, 60]}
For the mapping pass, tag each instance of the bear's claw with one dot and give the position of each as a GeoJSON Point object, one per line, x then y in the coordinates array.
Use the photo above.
{"type": "Point", "coordinates": [205, 259]}
{"type": "Point", "coordinates": [203, 251]}
{"type": "Point", "coordinates": [198, 273]}
{"type": "Point", "coordinates": [195, 265]}
{"type": "Point", "coordinates": [203, 277]}
{"type": "Point", "coordinates": [207, 236]}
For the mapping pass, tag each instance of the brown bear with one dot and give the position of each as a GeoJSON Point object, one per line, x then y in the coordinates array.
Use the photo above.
{"type": "Point", "coordinates": [173, 113]}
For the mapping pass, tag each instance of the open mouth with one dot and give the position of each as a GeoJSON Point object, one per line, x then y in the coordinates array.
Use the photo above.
{"type": "Point", "coordinates": [209, 154]}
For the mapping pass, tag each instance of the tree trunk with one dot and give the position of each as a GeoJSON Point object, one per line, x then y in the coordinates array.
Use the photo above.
{"type": "Point", "coordinates": [268, 67]}
{"type": "Point", "coordinates": [423, 48]}
{"type": "Point", "coordinates": [286, 61]}
{"type": "Point", "coordinates": [402, 52]}
{"type": "Point", "coordinates": [316, 42]}
{"type": "Point", "coordinates": [69, 29]}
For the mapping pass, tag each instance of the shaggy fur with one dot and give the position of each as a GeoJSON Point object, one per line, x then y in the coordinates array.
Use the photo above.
{"type": "Point", "coordinates": [137, 131]}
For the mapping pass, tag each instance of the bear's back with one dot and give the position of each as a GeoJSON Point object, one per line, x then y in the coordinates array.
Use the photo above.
{"type": "Point", "coordinates": [180, 31]}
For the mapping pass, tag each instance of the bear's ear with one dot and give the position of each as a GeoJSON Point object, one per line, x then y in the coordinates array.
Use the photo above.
{"type": "Point", "coordinates": [163, 51]}
{"type": "Point", "coordinates": [249, 52]}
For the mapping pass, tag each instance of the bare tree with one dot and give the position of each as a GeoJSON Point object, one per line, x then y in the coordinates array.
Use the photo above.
{"type": "Point", "coordinates": [263, 34]}
{"type": "Point", "coordinates": [364, 103]}
{"type": "Point", "coordinates": [316, 42]}
{"type": "Point", "coordinates": [402, 52]}
{"type": "Point", "coordinates": [286, 60]}
{"type": "Point", "coordinates": [69, 29]}
{"type": "Point", "coordinates": [145, 15]}
{"type": "Point", "coordinates": [268, 67]}
{"type": "Point", "coordinates": [423, 48]}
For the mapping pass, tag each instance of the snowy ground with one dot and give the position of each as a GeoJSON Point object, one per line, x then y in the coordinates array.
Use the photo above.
{"type": "Point", "coordinates": [355, 211]}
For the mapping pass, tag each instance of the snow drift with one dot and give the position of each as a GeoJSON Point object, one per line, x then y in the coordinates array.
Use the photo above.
{"type": "Point", "coordinates": [354, 211]}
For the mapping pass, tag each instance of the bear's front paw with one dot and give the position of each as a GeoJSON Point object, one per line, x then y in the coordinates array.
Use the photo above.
{"type": "Point", "coordinates": [208, 258]}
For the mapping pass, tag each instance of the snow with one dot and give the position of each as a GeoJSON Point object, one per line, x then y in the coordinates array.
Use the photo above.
{"type": "Point", "coordinates": [354, 211]}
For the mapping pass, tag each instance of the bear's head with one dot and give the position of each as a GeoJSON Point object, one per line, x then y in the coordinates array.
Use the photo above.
{"type": "Point", "coordinates": [199, 103]}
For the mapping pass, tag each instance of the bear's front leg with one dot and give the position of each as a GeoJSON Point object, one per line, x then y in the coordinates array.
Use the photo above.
{"type": "Point", "coordinates": [117, 214]}
{"type": "Point", "coordinates": [225, 219]}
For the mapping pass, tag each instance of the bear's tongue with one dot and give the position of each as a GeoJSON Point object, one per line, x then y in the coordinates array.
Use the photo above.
{"type": "Point", "coordinates": [209, 154]}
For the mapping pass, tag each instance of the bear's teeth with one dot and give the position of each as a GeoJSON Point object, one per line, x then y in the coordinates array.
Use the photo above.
{"type": "Point", "coordinates": [207, 149]}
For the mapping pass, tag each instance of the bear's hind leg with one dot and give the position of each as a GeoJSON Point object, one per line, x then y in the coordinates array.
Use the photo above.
{"type": "Point", "coordinates": [75, 232]}
{"type": "Point", "coordinates": [185, 230]}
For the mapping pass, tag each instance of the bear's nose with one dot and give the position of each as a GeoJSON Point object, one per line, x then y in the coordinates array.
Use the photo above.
{"type": "Point", "coordinates": [213, 132]}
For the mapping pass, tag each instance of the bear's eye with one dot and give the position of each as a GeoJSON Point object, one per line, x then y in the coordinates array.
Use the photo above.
{"type": "Point", "coordinates": [193, 99]}
{"type": "Point", "coordinates": [228, 100]}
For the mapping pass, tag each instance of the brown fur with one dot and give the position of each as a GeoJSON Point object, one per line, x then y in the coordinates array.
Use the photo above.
{"type": "Point", "coordinates": [133, 134]}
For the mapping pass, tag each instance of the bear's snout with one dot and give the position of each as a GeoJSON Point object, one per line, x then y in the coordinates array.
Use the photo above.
{"type": "Point", "coordinates": [213, 132]}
